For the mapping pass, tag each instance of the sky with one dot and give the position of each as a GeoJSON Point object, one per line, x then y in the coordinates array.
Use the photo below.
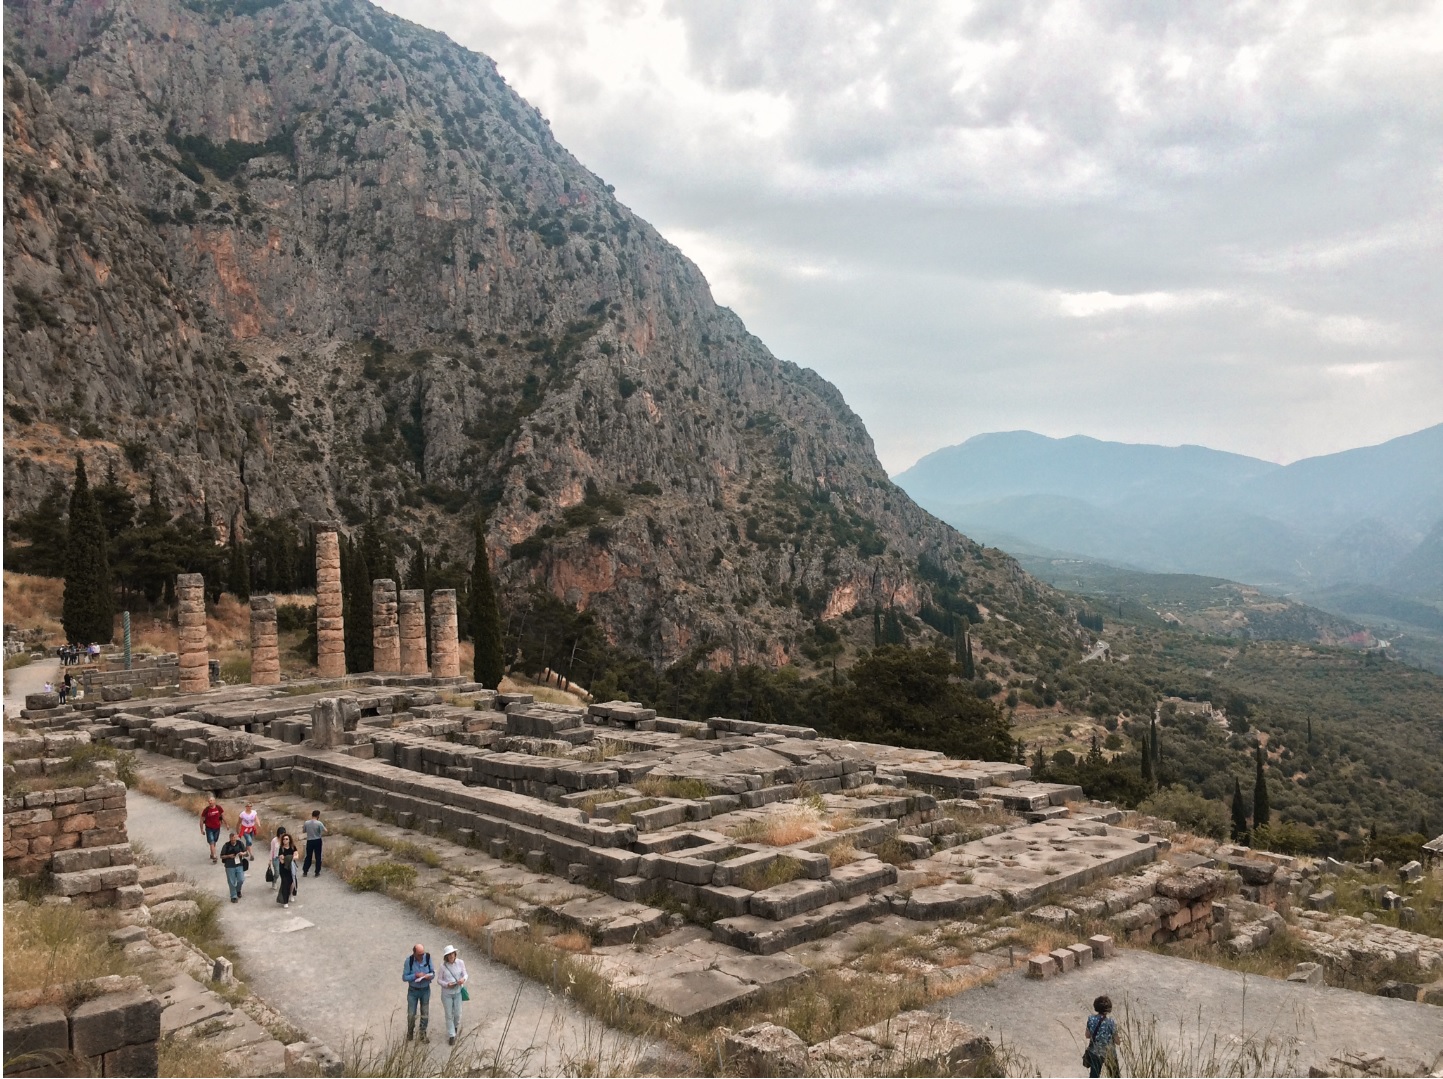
{"type": "Point", "coordinates": [1161, 222]}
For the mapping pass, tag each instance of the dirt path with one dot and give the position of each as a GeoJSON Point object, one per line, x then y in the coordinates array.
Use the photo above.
{"type": "Point", "coordinates": [30, 678]}
{"type": "Point", "coordinates": [332, 963]}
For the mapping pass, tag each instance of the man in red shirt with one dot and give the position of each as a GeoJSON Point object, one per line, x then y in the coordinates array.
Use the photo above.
{"type": "Point", "coordinates": [212, 820]}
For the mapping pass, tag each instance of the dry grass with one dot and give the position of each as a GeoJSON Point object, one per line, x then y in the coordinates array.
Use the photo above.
{"type": "Point", "coordinates": [573, 943]}
{"type": "Point", "coordinates": [780, 828]}
{"type": "Point", "coordinates": [52, 947]}
{"type": "Point", "coordinates": [779, 871]}
{"type": "Point", "coordinates": [516, 683]}
{"type": "Point", "coordinates": [831, 1003]}
{"type": "Point", "coordinates": [33, 603]}
{"type": "Point", "coordinates": [673, 787]}
{"type": "Point", "coordinates": [401, 848]}
{"type": "Point", "coordinates": [842, 852]}
{"type": "Point", "coordinates": [185, 1056]}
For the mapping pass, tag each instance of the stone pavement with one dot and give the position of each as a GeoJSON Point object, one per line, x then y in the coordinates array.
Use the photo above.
{"type": "Point", "coordinates": [1043, 1020]}
{"type": "Point", "coordinates": [331, 964]}
{"type": "Point", "coordinates": [30, 678]}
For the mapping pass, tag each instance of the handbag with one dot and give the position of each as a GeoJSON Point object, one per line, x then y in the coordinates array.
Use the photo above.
{"type": "Point", "coordinates": [270, 875]}
{"type": "Point", "coordinates": [465, 995]}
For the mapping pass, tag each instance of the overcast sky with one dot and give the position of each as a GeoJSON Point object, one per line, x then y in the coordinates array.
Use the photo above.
{"type": "Point", "coordinates": [1161, 222]}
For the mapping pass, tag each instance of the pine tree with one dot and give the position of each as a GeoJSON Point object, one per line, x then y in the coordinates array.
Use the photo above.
{"type": "Point", "coordinates": [1094, 755]}
{"type": "Point", "coordinates": [116, 505]}
{"type": "Point", "coordinates": [356, 607]}
{"type": "Point", "coordinates": [489, 664]}
{"type": "Point", "coordinates": [1261, 812]}
{"type": "Point", "coordinates": [88, 606]}
{"type": "Point", "coordinates": [1240, 812]}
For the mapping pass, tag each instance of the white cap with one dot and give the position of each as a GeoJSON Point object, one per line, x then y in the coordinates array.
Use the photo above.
{"type": "Point", "coordinates": [448, 950]}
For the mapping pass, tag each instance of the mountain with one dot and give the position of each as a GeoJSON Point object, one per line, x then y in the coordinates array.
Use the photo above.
{"type": "Point", "coordinates": [1360, 515]}
{"type": "Point", "coordinates": [302, 259]}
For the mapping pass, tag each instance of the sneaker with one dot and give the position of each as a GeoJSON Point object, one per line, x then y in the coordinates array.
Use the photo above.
{"type": "Point", "coordinates": [285, 906]}
{"type": "Point", "coordinates": [233, 899]}
{"type": "Point", "coordinates": [451, 1040]}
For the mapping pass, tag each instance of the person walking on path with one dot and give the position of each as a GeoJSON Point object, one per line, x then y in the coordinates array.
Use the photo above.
{"type": "Point", "coordinates": [212, 820]}
{"type": "Point", "coordinates": [249, 825]}
{"type": "Point", "coordinates": [1101, 1035]}
{"type": "Point", "coordinates": [235, 856]}
{"type": "Point", "coordinates": [418, 973]}
{"type": "Point", "coordinates": [314, 830]}
{"type": "Point", "coordinates": [452, 980]}
{"type": "Point", "coordinates": [285, 869]}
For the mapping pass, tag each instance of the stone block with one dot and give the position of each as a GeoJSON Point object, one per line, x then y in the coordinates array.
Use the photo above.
{"type": "Point", "coordinates": [34, 1030]}
{"type": "Point", "coordinates": [227, 747]}
{"type": "Point", "coordinates": [39, 701]}
{"type": "Point", "coordinates": [114, 1021]}
{"type": "Point", "coordinates": [1102, 946]}
{"type": "Point", "coordinates": [1399, 990]}
{"type": "Point", "coordinates": [1081, 954]}
{"type": "Point", "coordinates": [1066, 960]}
{"type": "Point", "coordinates": [1411, 873]}
{"type": "Point", "coordinates": [1041, 966]}
{"type": "Point", "coordinates": [763, 1050]}
{"type": "Point", "coordinates": [1307, 974]}
{"type": "Point", "coordinates": [1056, 917]}
{"type": "Point", "coordinates": [1324, 900]}
{"type": "Point", "coordinates": [792, 898]}
{"type": "Point", "coordinates": [143, 1059]}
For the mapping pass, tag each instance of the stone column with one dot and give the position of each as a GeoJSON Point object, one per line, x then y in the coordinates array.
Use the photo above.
{"type": "Point", "coordinates": [445, 650]}
{"type": "Point", "coordinates": [326, 723]}
{"type": "Point", "coordinates": [194, 659]}
{"type": "Point", "coordinates": [411, 610]}
{"type": "Point", "coordinates": [265, 649]}
{"type": "Point", "coordinates": [385, 631]}
{"type": "Point", "coordinates": [330, 624]}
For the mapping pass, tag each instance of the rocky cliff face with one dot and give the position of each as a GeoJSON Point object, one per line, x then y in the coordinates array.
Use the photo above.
{"type": "Point", "coordinates": [303, 257]}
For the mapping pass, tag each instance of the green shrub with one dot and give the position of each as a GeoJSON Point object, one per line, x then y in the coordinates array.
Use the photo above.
{"type": "Point", "coordinates": [1191, 812]}
{"type": "Point", "coordinates": [383, 877]}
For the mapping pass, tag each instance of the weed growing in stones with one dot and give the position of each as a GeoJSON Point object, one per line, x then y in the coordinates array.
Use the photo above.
{"type": "Point", "coordinates": [1202, 1048]}
{"type": "Point", "coordinates": [776, 872]}
{"type": "Point", "coordinates": [202, 928]}
{"type": "Point", "coordinates": [673, 787]}
{"type": "Point", "coordinates": [50, 947]}
{"type": "Point", "coordinates": [385, 877]}
{"type": "Point", "coordinates": [401, 848]}
{"type": "Point", "coordinates": [781, 828]}
{"type": "Point", "coordinates": [183, 1055]}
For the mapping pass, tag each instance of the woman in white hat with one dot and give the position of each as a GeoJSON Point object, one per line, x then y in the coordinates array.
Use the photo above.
{"type": "Point", "coordinates": [452, 980]}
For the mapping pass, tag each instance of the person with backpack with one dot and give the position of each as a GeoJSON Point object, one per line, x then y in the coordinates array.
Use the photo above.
{"type": "Point", "coordinates": [212, 820]}
{"type": "Point", "coordinates": [235, 856]}
{"type": "Point", "coordinates": [452, 979]}
{"type": "Point", "coordinates": [1101, 1036]}
{"type": "Point", "coordinates": [418, 973]}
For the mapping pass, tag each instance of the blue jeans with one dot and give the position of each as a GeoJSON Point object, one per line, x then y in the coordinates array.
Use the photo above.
{"type": "Point", "coordinates": [417, 998]}
{"type": "Point", "coordinates": [313, 847]}
{"type": "Point", "coordinates": [236, 877]}
{"type": "Point", "coordinates": [451, 1005]}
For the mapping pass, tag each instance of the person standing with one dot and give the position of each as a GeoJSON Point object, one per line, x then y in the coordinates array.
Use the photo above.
{"type": "Point", "coordinates": [235, 856]}
{"type": "Point", "coordinates": [1101, 1034]}
{"type": "Point", "coordinates": [418, 973]}
{"type": "Point", "coordinates": [275, 854]}
{"type": "Point", "coordinates": [285, 869]}
{"type": "Point", "coordinates": [452, 980]}
{"type": "Point", "coordinates": [314, 830]}
{"type": "Point", "coordinates": [212, 820]}
{"type": "Point", "coordinates": [249, 825]}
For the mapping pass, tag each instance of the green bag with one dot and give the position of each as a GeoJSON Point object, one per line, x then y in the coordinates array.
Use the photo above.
{"type": "Point", "coordinates": [465, 995]}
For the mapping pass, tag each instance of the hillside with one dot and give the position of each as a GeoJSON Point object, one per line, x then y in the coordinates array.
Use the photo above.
{"type": "Point", "coordinates": [306, 261]}
{"type": "Point", "coordinates": [1357, 516]}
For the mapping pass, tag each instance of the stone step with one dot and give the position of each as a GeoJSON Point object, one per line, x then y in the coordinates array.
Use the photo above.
{"type": "Point", "coordinates": [165, 892]}
{"type": "Point", "coordinates": [153, 875]}
{"type": "Point", "coordinates": [762, 936]}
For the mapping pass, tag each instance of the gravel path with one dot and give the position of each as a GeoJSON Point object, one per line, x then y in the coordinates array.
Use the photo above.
{"type": "Point", "coordinates": [332, 964]}
{"type": "Point", "coordinates": [30, 678]}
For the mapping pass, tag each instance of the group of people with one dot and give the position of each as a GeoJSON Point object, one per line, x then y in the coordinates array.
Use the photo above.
{"type": "Point", "coordinates": [236, 853]}
{"type": "Point", "coordinates": [419, 973]}
{"type": "Point", "coordinates": [71, 654]}
{"type": "Point", "coordinates": [64, 689]}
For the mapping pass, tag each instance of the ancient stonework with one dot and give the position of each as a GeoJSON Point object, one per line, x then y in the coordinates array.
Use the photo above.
{"type": "Point", "coordinates": [411, 611]}
{"type": "Point", "coordinates": [385, 630]}
{"type": "Point", "coordinates": [330, 625]}
{"type": "Point", "coordinates": [194, 659]}
{"type": "Point", "coordinates": [445, 648]}
{"type": "Point", "coordinates": [265, 649]}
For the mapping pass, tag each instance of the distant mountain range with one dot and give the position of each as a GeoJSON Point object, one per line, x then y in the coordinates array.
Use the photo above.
{"type": "Point", "coordinates": [1322, 526]}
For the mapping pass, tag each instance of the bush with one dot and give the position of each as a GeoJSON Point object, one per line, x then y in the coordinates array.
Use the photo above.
{"type": "Point", "coordinates": [1285, 837]}
{"type": "Point", "coordinates": [383, 877]}
{"type": "Point", "coordinates": [1191, 812]}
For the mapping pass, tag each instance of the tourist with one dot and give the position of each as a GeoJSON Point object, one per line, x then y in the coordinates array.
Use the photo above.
{"type": "Point", "coordinates": [249, 825]}
{"type": "Point", "coordinates": [417, 974]}
{"type": "Point", "coordinates": [1101, 1034]}
{"type": "Point", "coordinates": [314, 830]}
{"type": "Point", "coordinates": [65, 688]}
{"type": "Point", "coordinates": [285, 869]}
{"type": "Point", "coordinates": [212, 820]}
{"type": "Point", "coordinates": [452, 979]}
{"type": "Point", "coordinates": [275, 871]}
{"type": "Point", "coordinates": [235, 856]}
{"type": "Point", "coordinates": [94, 652]}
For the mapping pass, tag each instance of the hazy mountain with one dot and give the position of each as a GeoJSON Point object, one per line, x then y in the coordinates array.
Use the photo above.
{"type": "Point", "coordinates": [1360, 515]}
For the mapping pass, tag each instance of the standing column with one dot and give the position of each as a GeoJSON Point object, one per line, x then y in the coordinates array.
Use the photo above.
{"type": "Point", "coordinates": [385, 632]}
{"type": "Point", "coordinates": [330, 624]}
{"type": "Point", "coordinates": [445, 649]}
{"type": "Point", "coordinates": [265, 648]}
{"type": "Point", "coordinates": [193, 657]}
{"type": "Point", "coordinates": [412, 615]}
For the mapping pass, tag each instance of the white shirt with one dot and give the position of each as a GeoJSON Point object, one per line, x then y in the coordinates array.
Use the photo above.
{"type": "Point", "coordinates": [451, 975]}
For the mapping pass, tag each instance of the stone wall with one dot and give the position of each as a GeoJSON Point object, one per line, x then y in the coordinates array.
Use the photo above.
{"type": "Point", "coordinates": [78, 834]}
{"type": "Point", "coordinates": [113, 1032]}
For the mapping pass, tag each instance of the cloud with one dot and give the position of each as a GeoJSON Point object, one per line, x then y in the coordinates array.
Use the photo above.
{"type": "Point", "coordinates": [1171, 222]}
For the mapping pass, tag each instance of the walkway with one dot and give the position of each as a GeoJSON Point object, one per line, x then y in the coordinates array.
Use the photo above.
{"type": "Point", "coordinates": [1043, 1020]}
{"type": "Point", "coordinates": [30, 678]}
{"type": "Point", "coordinates": [332, 964]}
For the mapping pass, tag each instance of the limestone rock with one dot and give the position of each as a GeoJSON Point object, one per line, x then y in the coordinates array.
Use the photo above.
{"type": "Point", "coordinates": [765, 1049]}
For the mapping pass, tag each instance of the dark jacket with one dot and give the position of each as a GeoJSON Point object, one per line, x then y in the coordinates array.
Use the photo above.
{"type": "Point", "coordinates": [414, 968]}
{"type": "Point", "coordinates": [234, 853]}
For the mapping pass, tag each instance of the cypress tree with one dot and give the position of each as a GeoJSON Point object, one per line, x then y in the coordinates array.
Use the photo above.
{"type": "Point", "coordinates": [1094, 755]}
{"type": "Point", "coordinates": [418, 576]}
{"type": "Point", "coordinates": [88, 607]}
{"type": "Point", "coordinates": [1261, 812]}
{"type": "Point", "coordinates": [356, 606]}
{"type": "Point", "coordinates": [1240, 812]}
{"type": "Point", "coordinates": [1147, 771]}
{"type": "Point", "coordinates": [238, 572]}
{"type": "Point", "coordinates": [876, 626]}
{"type": "Point", "coordinates": [489, 665]}
{"type": "Point", "coordinates": [969, 666]}
{"type": "Point", "coordinates": [1153, 747]}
